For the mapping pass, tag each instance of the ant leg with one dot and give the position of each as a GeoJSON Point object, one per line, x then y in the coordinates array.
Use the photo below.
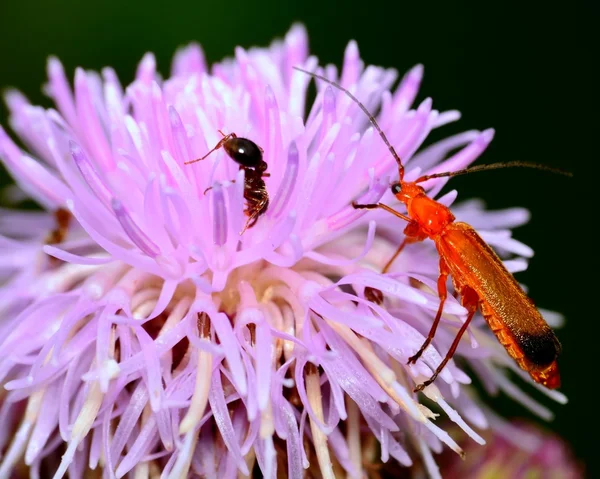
{"type": "Point", "coordinates": [251, 220]}
{"type": "Point", "coordinates": [470, 301]}
{"type": "Point", "coordinates": [442, 293]}
{"type": "Point", "coordinates": [221, 142]}
{"type": "Point", "coordinates": [210, 187]}
{"type": "Point", "coordinates": [231, 135]}
{"type": "Point", "coordinates": [374, 206]}
{"type": "Point", "coordinates": [256, 213]}
{"type": "Point", "coordinates": [265, 175]}
{"type": "Point", "coordinates": [247, 225]}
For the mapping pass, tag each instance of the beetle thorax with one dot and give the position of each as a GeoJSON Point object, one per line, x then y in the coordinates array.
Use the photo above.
{"type": "Point", "coordinates": [432, 217]}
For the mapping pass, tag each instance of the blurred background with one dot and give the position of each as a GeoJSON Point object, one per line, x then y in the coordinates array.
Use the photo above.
{"type": "Point", "coordinates": [522, 69]}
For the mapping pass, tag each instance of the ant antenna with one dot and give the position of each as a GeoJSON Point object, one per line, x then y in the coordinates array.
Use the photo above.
{"type": "Point", "coordinates": [495, 166]}
{"type": "Point", "coordinates": [364, 109]}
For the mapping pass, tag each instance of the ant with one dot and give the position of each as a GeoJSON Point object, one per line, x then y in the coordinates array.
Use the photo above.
{"type": "Point", "coordinates": [249, 156]}
{"type": "Point", "coordinates": [63, 218]}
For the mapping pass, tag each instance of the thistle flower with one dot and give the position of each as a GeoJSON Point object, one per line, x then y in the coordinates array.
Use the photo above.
{"type": "Point", "coordinates": [158, 340]}
{"type": "Point", "coordinates": [517, 450]}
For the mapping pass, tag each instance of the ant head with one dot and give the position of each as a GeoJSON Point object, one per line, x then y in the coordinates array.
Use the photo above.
{"type": "Point", "coordinates": [244, 152]}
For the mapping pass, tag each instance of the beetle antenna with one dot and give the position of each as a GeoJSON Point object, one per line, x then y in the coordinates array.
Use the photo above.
{"type": "Point", "coordinates": [495, 166]}
{"type": "Point", "coordinates": [367, 112]}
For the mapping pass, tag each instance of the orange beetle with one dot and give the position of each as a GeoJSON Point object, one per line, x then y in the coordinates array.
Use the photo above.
{"type": "Point", "coordinates": [478, 274]}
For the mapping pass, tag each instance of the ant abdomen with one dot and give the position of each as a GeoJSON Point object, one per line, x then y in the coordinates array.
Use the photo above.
{"type": "Point", "coordinates": [244, 152]}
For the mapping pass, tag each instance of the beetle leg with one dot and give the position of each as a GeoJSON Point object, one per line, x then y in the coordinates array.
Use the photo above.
{"type": "Point", "coordinates": [470, 301]}
{"type": "Point", "coordinates": [374, 295]}
{"type": "Point", "coordinates": [393, 258]}
{"type": "Point", "coordinates": [443, 293]}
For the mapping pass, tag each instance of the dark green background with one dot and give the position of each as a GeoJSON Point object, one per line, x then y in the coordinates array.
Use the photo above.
{"type": "Point", "coordinates": [523, 69]}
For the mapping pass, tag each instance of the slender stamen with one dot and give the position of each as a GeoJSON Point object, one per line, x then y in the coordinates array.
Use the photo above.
{"type": "Point", "coordinates": [329, 111]}
{"type": "Point", "coordinates": [267, 427]}
{"type": "Point", "coordinates": [219, 214]}
{"type": "Point", "coordinates": [133, 231]}
{"type": "Point", "coordinates": [82, 426]}
{"type": "Point", "coordinates": [284, 192]}
{"type": "Point", "coordinates": [203, 375]}
{"type": "Point", "coordinates": [353, 433]}
{"type": "Point", "coordinates": [184, 459]}
{"type": "Point", "coordinates": [90, 175]}
{"type": "Point", "coordinates": [182, 144]}
{"type": "Point", "coordinates": [384, 375]}
{"type": "Point", "coordinates": [313, 389]}
{"type": "Point", "coordinates": [15, 451]}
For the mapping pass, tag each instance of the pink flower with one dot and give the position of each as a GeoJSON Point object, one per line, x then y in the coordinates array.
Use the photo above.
{"type": "Point", "coordinates": [517, 450]}
{"type": "Point", "coordinates": [159, 338]}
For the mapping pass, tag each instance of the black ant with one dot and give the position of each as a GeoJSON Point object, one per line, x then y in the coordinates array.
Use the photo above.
{"type": "Point", "coordinates": [249, 156]}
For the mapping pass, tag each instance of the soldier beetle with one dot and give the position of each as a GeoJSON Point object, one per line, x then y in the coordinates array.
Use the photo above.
{"type": "Point", "coordinates": [478, 274]}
